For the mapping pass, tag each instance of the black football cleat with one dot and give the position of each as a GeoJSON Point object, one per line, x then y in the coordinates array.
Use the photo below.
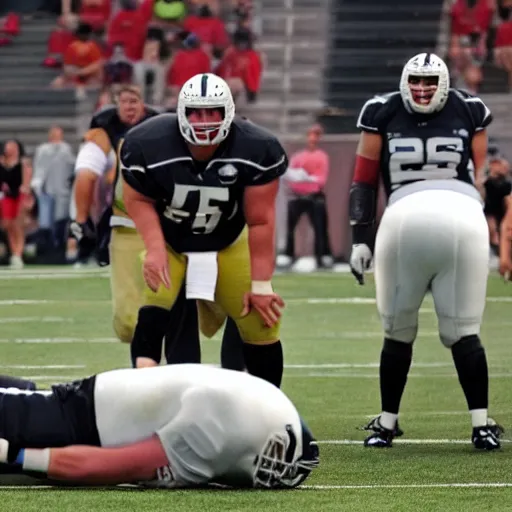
{"type": "Point", "coordinates": [381, 437]}
{"type": "Point", "coordinates": [485, 438]}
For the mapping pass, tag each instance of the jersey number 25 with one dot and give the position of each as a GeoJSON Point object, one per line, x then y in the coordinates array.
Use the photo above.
{"type": "Point", "coordinates": [440, 157]}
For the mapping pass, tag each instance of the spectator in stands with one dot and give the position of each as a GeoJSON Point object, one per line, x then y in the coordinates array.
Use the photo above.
{"type": "Point", "coordinates": [60, 39]}
{"type": "Point", "coordinates": [151, 70]}
{"type": "Point", "coordinates": [15, 177]}
{"type": "Point", "coordinates": [83, 61]}
{"type": "Point", "coordinates": [471, 20]}
{"type": "Point", "coordinates": [53, 174]}
{"type": "Point", "coordinates": [95, 13]}
{"type": "Point", "coordinates": [9, 27]}
{"type": "Point", "coordinates": [119, 68]}
{"type": "Point", "coordinates": [242, 66]}
{"type": "Point", "coordinates": [210, 29]}
{"type": "Point", "coordinates": [497, 189]}
{"type": "Point", "coordinates": [129, 27]}
{"type": "Point", "coordinates": [503, 40]}
{"type": "Point", "coordinates": [169, 16]}
{"type": "Point", "coordinates": [186, 63]}
{"type": "Point", "coordinates": [306, 178]}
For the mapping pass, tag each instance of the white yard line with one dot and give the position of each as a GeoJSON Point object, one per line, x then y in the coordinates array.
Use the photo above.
{"type": "Point", "coordinates": [42, 366]}
{"type": "Point", "coordinates": [407, 486]}
{"type": "Point", "coordinates": [404, 441]}
{"type": "Point", "coordinates": [352, 375]}
{"type": "Point", "coordinates": [59, 340]}
{"type": "Point", "coordinates": [364, 365]}
{"type": "Point", "coordinates": [42, 319]}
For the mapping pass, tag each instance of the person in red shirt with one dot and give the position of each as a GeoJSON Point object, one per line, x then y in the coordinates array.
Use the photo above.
{"type": "Point", "coordinates": [306, 178]}
{"type": "Point", "coordinates": [83, 61]}
{"type": "Point", "coordinates": [209, 28]}
{"type": "Point", "coordinates": [95, 13]}
{"type": "Point", "coordinates": [187, 62]}
{"type": "Point", "coordinates": [241, 66]}
{"type": "Point", "coordinates": [129, 27]}
{"type": "Point", "coordinates": [503, 41]}
{"type": "Point", "coordinates": [471, 20]}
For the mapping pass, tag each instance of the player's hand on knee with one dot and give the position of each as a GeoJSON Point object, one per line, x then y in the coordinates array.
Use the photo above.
{"type": "Point", "coordinates": [268, 307]}
{"type": "Point", "coordinates": [360, 260]}
{"type": "Point", "coordinates": [156, 269]}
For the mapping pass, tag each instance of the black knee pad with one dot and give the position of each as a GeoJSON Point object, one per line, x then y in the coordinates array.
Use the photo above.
{"type": "Point", "coordinates": [467, 345]}
{"type": "Point", "coordinates": [397, 348]}
{"type": "Point", "coordinates": [149, 333]}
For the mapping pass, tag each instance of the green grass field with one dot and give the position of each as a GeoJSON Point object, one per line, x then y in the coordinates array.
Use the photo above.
{"type": "Point", "coordinates": [56, 327]}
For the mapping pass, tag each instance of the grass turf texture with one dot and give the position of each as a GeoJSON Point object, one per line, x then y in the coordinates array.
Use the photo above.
{"type": "Point", "coordinates": [332, 340]}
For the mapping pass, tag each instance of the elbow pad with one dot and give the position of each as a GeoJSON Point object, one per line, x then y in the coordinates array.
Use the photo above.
{"type": "Point", "coordinates": [362, 204]}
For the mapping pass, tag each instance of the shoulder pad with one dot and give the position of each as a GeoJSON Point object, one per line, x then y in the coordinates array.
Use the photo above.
{"type": "Point", "coordinates": [152, 111]}
{"type": "Point", "coordinates": [101, 118]}
{"type": "Point", "coordinates": [478, 110]}
{"type": "Point", "coordinates": [374, 111]}
{"type": "Point", "coordinates": [100, 137]}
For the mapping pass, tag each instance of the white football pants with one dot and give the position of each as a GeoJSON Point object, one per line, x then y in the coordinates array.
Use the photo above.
{"type": "Point", "coordinates": [434, 240]}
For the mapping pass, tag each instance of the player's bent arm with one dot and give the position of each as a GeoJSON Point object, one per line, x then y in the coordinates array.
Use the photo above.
{"type": "Point", "coordinates": [142, 211]}
{"type": "Point", "coordinates": [363, 192]}
{"type": "Point", "coordinates": [479, 153]}
{"type": "Point", "coordinates": [85, 183]}
{"type": "Point", "coordinates": [260, 215]}
{"type": "Point", "coordinates": [97, 465]}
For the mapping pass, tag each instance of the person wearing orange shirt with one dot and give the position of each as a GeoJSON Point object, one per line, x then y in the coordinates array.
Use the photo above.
{"type": "Point", "coordinates": [83, 61]}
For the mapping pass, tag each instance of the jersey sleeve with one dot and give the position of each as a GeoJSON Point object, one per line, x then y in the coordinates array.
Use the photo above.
{"type": "Point", "coordinates": [134, 169]}
{"type": "Point", "coordinates": [480, 113]}
{"type": "Point", "coordinates": [273, 164]}
{"type": "Point", "coordinates": [370, 117]}
{"type": "Point", "coordinates": [195, 440]}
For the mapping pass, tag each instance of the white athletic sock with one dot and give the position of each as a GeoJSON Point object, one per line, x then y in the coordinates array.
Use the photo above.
{"type": "Point", "coordinates": [478, 417]}
{"type": "Point", "coordinates": [388, 420]}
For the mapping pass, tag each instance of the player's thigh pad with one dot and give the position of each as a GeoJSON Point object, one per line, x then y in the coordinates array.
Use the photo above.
{"type": "Point", "coordinates": [459, 289]}
{"type": "Point", "coordinates": [166, 297]}
{"type": "Point", "coordinates": [401, 281]}
{"type": "Point", "coordinates": [234, 280]}
{"type": "Point", "coordinates": [126, 280]}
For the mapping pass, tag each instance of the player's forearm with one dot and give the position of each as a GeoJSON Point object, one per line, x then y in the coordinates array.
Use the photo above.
{"type": "Point", "coordinates": [146, 221]}
{"type": "Point", "coordinates": [84, 194]}
{"type": "Point", "coordinates": [93, 465]}
{"type": "Point", "coordinates": [506, 238]}
{"type": "Point", "coordinates": [262, 251]}
{"type": "Point", "coordinates": [102, 466]}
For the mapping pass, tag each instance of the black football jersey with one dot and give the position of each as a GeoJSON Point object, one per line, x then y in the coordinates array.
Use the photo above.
{"type": "Point", "coordinates": [108, 119]}
{"type": "Point", "coordinates": [419, 147]}
{"type": "Point", "coordinates": [200, 204]}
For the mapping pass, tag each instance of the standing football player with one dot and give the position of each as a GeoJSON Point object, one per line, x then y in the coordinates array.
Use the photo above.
{"type": "Point", "coordinates": [119, 243]}
{"type": "Point", "coordinates": [201, 188]}
{"type": "Point", "coordinates": [433, 235]}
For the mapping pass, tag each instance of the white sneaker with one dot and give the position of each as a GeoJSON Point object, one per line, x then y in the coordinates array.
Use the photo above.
{"type": "Point", "coordinates": [16, 262]}
{"type": "Point", "coordinates": [283, 260]}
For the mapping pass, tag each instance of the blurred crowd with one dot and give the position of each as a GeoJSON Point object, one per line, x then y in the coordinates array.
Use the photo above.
{"type": "Point", "coordinates": [155, 44]}
{"type": "Point", "coordinates": [481, 31]}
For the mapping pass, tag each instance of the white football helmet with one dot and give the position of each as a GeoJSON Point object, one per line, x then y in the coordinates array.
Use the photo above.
{"type": "Point", "coordinates": [205, 90]}
{"type": "Point", "coordinates": [425, 84]}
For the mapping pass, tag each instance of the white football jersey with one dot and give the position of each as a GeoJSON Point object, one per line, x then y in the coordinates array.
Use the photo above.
{"type": "Point", "coordinates": [212, 423]}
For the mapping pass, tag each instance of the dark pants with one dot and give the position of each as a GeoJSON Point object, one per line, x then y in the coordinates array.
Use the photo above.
{"type": "Point", "coordinates": [314, 207]}
{"type": "Point", "coordinates": [39, 420]}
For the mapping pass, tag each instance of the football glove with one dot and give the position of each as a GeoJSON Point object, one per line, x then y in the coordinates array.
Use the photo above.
{"type": "Point", "coordinates": [360, 260]}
